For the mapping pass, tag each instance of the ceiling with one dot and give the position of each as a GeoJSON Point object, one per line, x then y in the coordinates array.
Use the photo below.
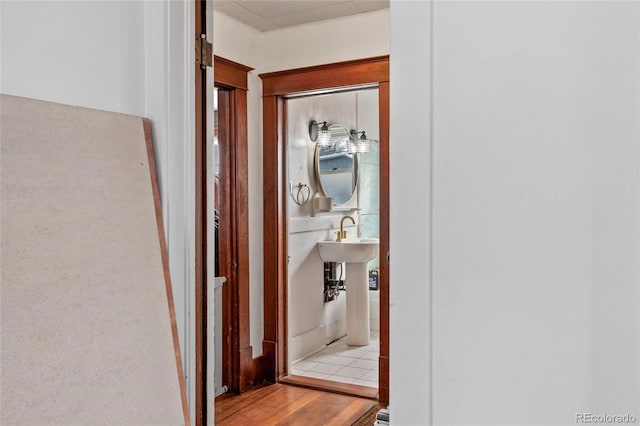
{"type": "Point", "coordinates": [267, 15]}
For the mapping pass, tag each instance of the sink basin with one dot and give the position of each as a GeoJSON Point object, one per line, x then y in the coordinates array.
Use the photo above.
{"type": "Point", "coordinates": [356, 254]}
{"type": "Point", "coordinates": [349, 251]}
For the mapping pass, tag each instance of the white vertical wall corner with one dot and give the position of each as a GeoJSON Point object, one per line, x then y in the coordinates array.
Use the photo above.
{"type": "Point", "coordinates": [213, 320]}
{"type": "Point", "coordinates": [256, 255]}
{"type": "Point", "coordinates": [410, 213]}
{"type": "Point", "coordinates": [170, 104]}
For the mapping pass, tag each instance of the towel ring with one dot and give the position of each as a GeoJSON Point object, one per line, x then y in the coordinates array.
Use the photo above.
{"type": "Point", "coordinates": [303, 195]}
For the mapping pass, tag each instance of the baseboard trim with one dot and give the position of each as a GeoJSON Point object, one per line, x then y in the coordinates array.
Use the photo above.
{"type": "Point", "coordinates": [383, 379]}
{"type": "Point", "coordinates": [247, 372]}
{"type": "Point", "coordinates": [269, 354]}
{"type": "Point", "coordinates": [259, 368]}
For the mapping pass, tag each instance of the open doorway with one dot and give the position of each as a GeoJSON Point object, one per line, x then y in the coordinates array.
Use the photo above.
{"type": "Point", "coordinates": [333, 304]}
{"type": "Point", "coordinates": [278, 88]}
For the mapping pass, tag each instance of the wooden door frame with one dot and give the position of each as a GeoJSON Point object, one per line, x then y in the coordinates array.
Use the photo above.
{"type": "Point", "coordinates": [238, 372]}
{"type": "Point", "coordinates": [200, 216]}
{"type": "Point", "coordinates": [276, 87]}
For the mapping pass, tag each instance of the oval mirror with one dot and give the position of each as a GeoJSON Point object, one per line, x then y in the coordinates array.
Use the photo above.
{"type": "Point", "coordinates": [337, 169]}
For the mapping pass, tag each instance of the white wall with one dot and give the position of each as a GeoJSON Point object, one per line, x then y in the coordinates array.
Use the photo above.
{"type": "Point", "coordinates": [237, 41]}
{"type": "Point", "coordinates": [107, 53]}
{"type": "Point", "coordinates": [129, 57]}
{"type": "Point", "coordinates": [535, 212]}
{"type": "Point", "coordinates": [256, 242]}
{"type": "Point", "coordinates": [342, 39]}
{"type": "Point", "coordinates": [410, 215]}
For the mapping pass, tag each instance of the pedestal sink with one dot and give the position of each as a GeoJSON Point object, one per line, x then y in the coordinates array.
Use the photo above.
{"type": "Point", "coordinates": [356, 254]}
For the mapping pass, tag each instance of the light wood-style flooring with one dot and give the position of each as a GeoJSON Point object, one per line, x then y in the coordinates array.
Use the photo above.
{"type": "Point", "coordinates": [281, 404]}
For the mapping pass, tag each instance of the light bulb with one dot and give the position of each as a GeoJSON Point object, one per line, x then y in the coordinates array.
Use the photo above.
{"type": "Point", "coordinates": [362, 143]}
{"type": "Point", "coordinates": [324, 135]}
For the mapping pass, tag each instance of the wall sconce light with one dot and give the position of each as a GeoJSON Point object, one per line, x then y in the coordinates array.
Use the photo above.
{"type": "Point", "coordinates": [321, 135]}
{"type": "Point", "coordinates": [358, 144]}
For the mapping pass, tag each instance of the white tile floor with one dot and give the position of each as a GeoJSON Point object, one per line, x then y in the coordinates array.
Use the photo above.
{"type": "Point", "coordinates": [340, 362]}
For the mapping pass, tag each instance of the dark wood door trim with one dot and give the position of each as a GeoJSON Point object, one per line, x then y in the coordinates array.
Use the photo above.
{"type": "Point", "coordinates": [200, 234]}
{"type": "Point", "coordinates": [274, 344]}
{"type": "Point", "coordinates": [230, 74]}
{"type": "Point", "coordinates": [225, 236]}
{"type": "Point", "coordinates": [383, 364]}
{"type": "Point", "coordinates": [238, 354]}
{"type": "Point", "coordinates": [276, 86]}
{"type": "Point", "coordinates": [327, 76]}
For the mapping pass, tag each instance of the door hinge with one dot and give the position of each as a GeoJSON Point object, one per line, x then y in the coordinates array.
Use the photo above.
{"type": "Point", "coordinates": [204, 52]}
{"type": "Point", "coordinates": [234, 265]}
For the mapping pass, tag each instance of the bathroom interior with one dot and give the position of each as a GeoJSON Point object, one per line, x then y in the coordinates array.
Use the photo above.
{"type": "Point", "coordinates": [332, 157]}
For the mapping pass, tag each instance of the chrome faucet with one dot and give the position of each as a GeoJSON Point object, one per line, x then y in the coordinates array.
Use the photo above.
{"type": "Point", "coordinates": [342, 234]}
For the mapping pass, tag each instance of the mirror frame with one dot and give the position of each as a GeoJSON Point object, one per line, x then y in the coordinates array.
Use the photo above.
{"type": "Point", "coordinates": [356, 168]}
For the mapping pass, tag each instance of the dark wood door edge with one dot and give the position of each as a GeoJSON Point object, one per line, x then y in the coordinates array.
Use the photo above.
{"type": "Point", "coordinates": [383, 364]}
{"type": "Point", "coordinates": [200, 227]}
{"type": "Point", "coordinates": [328, 385]}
